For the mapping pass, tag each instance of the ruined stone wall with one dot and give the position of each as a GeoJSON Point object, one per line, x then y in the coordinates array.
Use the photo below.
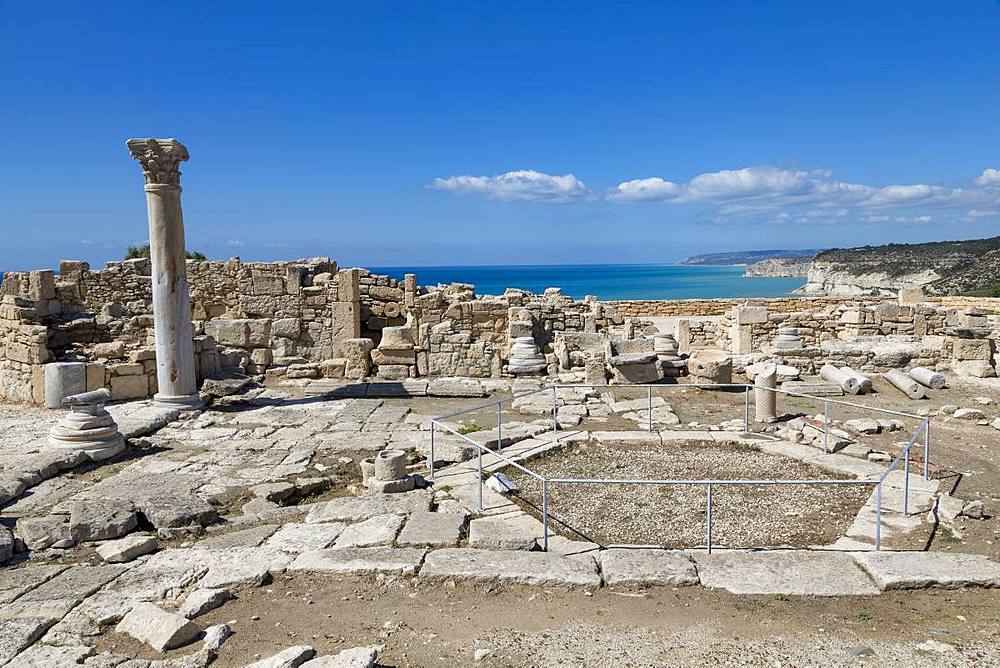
{"type": "Point", "coordinates": [23, 350]}
{"type": "Point", "coordinates": [870, 338]}
{"type": "Point", "coordinates": [706, 307]}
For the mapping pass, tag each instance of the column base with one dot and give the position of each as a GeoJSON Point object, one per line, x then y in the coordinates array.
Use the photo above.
{"type": "Point", "coordinates": [187, 402]}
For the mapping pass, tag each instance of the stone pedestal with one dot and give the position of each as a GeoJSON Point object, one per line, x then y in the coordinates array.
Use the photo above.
{"type": "Point", "coordinates": [669, 361]}
{"type": "Point", "coordinates": [175, 369]}
{"type": "Point", "coordinates": [525, 357]}
{"type": "Point", "coordinates": [665, 347]}
{"type": "Point", "coordinates": [788, 339]}
{"type": "Point", "coordinates": [389, 473]}
{"type": "Point", "coordinates": [87, 427]}
{"type": "Point", "coordinates": [396, 353]}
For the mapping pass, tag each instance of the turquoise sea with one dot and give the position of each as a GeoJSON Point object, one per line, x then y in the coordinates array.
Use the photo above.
{"type": "Point", "coordinates": [607, 281]}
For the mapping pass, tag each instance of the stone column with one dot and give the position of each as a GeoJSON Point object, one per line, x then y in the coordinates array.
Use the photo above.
{"type": "Point", "coordinates": [175, 370]}
{"type": "Point", "coordinates": [765, 402]}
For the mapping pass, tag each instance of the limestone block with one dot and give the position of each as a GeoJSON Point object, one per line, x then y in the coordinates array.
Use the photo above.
{"type": "Point", "coordinates": [286, 328]}
{"type": "Point", "coordinates": [112, 350]}
{"type": "Point", "coordinates": [63, 379]}
{"type": "Point", "coordinates": [345, 321]}
{"type": "Point", "coordinates": [683, 335]}
{"type": "Point", "coordinates": [710, 366]}
{"type": "Point", "coordinates": [742, 339]}
{"type": "Point", "coordinates": [259, 333]}
{"type": "Point", "coordinates": [234, 333]}
{"type": "Point", "coordinates": [41, 285]}
{"type": "Point", "coordinates": [382, 356]}
{"type": "Point", "coordinates": [974, 368]}
{"type": "Point", "coordinates": [349, 287]}
{"type": "Point", "coordinates": [127, 548]}
{"type": "Point", "coordinates": [131, 369]}
{"type": "Point", "coordinates": [357, 353]}
{"type": "Point", "coordinates": [101, 519]}
{"type": "Point", "coordinates": [333, 368]}
{"type": "Point", "coordinates": [129, 387]}
{"type": "Point", "coordinates": [261, 357]}
{"type": "Point", "coordinates": [972, 349]}
{"type": "Point", "coordinates": [749, 315]}
{"type": "Point", "coordinates": [95, 376]}
{"type": "Point", "coordinates": [393, 371]}
{"type": "Point", "coordinates": [157, 628]}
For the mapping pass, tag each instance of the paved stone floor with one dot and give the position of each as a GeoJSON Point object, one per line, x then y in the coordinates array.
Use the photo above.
{"type": "Point", "coordinates": [206, 508]}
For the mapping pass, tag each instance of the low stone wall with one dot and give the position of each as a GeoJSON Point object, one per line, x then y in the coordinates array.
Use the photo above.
{"type": "Point", "coordinates": [706, 307]}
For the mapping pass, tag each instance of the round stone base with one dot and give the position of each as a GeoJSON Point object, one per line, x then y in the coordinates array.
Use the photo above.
{"type": "Point", "coordinates": [187, 402]}
{"type": "Point", "coordinates": [95, 449]}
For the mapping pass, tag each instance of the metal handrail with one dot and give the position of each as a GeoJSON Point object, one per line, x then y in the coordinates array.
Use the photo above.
{"type": "Point", "coordinates": [904, 454]}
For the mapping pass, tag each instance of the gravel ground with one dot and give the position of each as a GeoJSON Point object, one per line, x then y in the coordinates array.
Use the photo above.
{"type": "Point", "coordinates": [674, 516]}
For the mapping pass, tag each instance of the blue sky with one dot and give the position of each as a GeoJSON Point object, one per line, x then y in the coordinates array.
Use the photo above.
{"type": "Point", "coordinates": [501, 133]}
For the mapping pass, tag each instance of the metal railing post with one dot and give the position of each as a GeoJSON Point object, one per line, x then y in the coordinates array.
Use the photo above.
{"type": "Point", "coordinates": [555, 422]}
{"type": "Point", "coordinates": [708, 517]}
{"type": "Point", "coordinates": [746, 410]}
{"type": "Point", "coordinates": [649, 408]}
{"type": "Point", "coordinates": [878, 517]}
{"type": "Point", "coordinates": [826, 426]}
{"type": "Point", "coordinates": [480, 449]}
{"type": "Point", "coordinates": [906, 481]}
{"type": "Point", "coordinates": [499, 426]}
{"type": "Point", "coordinates": [545, 514]}
{"type": "Point", "coordinates": [927, 449]}
{"type": "Point", "coordinates": [430, 461]}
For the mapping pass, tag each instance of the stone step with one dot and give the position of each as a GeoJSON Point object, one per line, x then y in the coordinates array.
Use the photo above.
{"type": "Point", "coordinates": [357, 560]}
{"type": "Point", "coordinates": [917, 570]}
{"type": "Point", "coordinates": [496, 566]}
{"type": "Point", "coordinates": [643, 567]}
{"type": "Point", "coordinates": [790, 572]}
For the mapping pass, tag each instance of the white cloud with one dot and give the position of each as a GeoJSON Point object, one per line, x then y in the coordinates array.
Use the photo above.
{"type": "Point", "coordinates": [763, 193]}
{"type": "Point", "coordinates": [644, 190]}
{"type": "Point", "coordinates": [235, 243]}
{"type": "Point", "coordinates": [521, 185]}
{"type": "Point", "coordinates": [989, 177]}
{"type": "Point", "coordinates": [783, 195]}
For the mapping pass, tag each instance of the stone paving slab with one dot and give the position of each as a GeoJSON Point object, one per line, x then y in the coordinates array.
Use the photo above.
{"type": "Point", "coordinates": [251, 537]}
{"type": "Point", "coordinates": [513, 531]}
{"type": "Point", "coordinates": [356, 560]}
{"type": "Point", "coordinates": [494, 503]}
{"type": "Point", "coordinates": [16, 581]}
{"type": "Point", "coordinates": [426, 529]}
{"type": "Point", "coordinates": [223, 567]}
{"type": "Point", "coordinates": [134, 421]}
{"type": "Point", "coordinates": [377, 530]}
{"type": "Point", "coordinates": [795, 573]}
{"type": "Point", "coordinates": [75, 584]}
{"type": "Point", "coordinates": [917, 570]}
{"type": "Point", "coordinates": [846, 465]}
{"type": "Point", "coordinates": [645, 567]}
{"type": "Point", "coordinates": [491, 566]}
{"type": "Point", "coordinates": [18, 634]}
{"type": "Point", "coordinates": [300, 537]}
{"type": "Point", "coordinates": [358, 508]}
{"type": "Point", "coordinates": [892, 523]}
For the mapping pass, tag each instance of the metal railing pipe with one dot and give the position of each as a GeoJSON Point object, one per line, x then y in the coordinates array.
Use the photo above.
{"type": "Point", "coordinates": [430, 460]}
{"type": "Point", "coordinates": [708, 520]}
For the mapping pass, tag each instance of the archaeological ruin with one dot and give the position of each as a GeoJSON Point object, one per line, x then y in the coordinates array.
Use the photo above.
{"type": "Point", "coordinates": [179, 434]}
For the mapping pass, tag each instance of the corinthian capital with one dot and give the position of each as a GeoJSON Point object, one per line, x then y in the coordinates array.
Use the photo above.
{"type": "Point", "coordinates": [160, 159]}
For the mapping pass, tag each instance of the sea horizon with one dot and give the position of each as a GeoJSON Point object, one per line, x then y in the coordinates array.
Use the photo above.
{"type": "Point", "coordinates": [609, 282]}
